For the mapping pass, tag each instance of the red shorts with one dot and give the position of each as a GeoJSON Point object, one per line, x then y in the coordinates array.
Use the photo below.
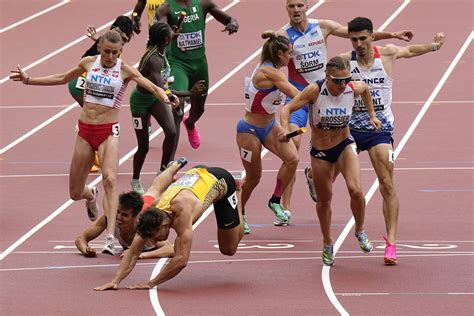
{"type": "Point", "coordinates": [96, 134]}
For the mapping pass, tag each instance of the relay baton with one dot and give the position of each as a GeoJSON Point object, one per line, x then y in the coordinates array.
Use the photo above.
{"type": "Point", "coordinates": [297, 132]}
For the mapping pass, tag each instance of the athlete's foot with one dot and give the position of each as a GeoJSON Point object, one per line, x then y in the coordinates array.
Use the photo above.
{"type": "Point", "coordinates": [84, 248]}
{"type": "Point", "coordinates": [193, 135]}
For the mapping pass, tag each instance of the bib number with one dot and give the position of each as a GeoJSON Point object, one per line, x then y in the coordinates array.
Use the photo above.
{"type": "Point", "coordinates": [81, 83]}
{"type": "Point", "coordinates": [116, 130]}
{"type": "Point", "coordinates": [187, 41]}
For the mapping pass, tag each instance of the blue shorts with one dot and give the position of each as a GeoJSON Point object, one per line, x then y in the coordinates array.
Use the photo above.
{"type": "Point", "coordinates": [331, 155]}
{"type": "Point", "coordinates": [260, 132]}
{"type": "Point", "coordinates": [369, 139]}
{"type": "Point", "coordinates": [300, 116]}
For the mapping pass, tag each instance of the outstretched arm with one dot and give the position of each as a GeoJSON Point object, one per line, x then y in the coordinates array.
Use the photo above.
{"type": "Point", "coordinates": [308, 95]}
{"type": "Point", "coordinates": [420, 49]}
{"type": "Point", "coordinates": [52, 80]}
{"type": "Point", "coordinates": [182, 224]}
{"type": "Point", "coordinates": [230, 23]}
{"type": "Point", "coordinates": [404, 35]}
{"type": "Point", "coordinates": [126, 266]}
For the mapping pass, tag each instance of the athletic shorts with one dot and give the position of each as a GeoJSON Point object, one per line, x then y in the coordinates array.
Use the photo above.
{"type": "Point", "coordinates": [96, 134]}
{"type": "Point", "coordinates": [227, 213]}
{"type": "Point", "coordinates": [300, 116]}
{"type": "Point", "coordinates": [187, 72]}
{"type": "Point", "coordinates": [140, 103]}
{"type": "Point", "coordinates": [369, 139]}
{"type": "Point", "coordinates": [331, 155]}
{"type": "Point", "coordinates": [260, 132]}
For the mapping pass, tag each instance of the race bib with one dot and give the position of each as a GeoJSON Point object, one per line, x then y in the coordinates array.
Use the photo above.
{"type": "Point", "coordinates": [308, 61]}
{"type": "Point", "coordinates": [188, 180]}
{"type": "Point", "coordinates": [116, 130]}
{"type": "Point", "coordinates": [188, 41]}
{"type": "Point", "coordinates": [81, 83]}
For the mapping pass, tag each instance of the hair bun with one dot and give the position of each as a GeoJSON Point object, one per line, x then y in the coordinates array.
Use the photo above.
{"type": "Point", "coordinates": [268, 34]}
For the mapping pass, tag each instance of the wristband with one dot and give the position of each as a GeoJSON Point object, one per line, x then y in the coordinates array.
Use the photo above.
{"type": "Point", "coordinates": [434, 47]}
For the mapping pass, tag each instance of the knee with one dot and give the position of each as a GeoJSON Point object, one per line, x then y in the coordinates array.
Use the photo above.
{"type": "Point", "coordinates": [252, 181]}
{"type": "Point", "coordinates": [143, 148]}
{"type": "Point", "coordinates": [109, 180]}
{"type": "Point", "coordinates": [227, 251]}
{"type": "Point", "coordinates": [386, 187]}
{"type": "Point", "coordinates": [356, 193]}
{"type": "Point", "coordinates": [170, 132]}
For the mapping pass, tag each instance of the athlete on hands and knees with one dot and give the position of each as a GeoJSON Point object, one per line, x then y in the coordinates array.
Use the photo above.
{"type": "Point", "coordinates": [259, 128]}
{"type": "Point", "coordinates": [330, 108]}
{"type": "Point", "coordinates": [186, 53]}
{"type": "Point", "coordinates": [178, 206]}
{"type": "Point", "coordinates": [98, 128]}
{"type": "Point", "coordinates": [154, 66]}
{"type": "Point", "coordinates": [309, 38]}
{"type": "Point", "coordinates": [130, 205]}
{"type": "Point", "coordinates": [373, 65]}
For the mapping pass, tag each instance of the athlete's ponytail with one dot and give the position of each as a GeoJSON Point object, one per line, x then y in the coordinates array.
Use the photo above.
{"type": "Point", "coordinates": [275, 43]}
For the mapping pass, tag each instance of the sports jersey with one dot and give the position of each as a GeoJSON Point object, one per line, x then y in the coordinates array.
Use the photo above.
{"type": "Point", "coordinates": [201, 182]}
{"type": "Point", "coordinates": [309, 55]}
{"type": "Point", "coordinates": [380, 85]}
{"type": "Point", "coordinates": [261, 101]}
{"type": "Point", "coordinates": [329, 111]}
{"type": "Point", "coordinates": [105, 86]}
{"type": "Point", "coordinates": [152, 7]}
{"type": "Point", "coordinates": [189, 44]}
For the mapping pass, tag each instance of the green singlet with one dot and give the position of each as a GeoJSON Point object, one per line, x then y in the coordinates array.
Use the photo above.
{"type": "Point", "coordinates": [190, 42]}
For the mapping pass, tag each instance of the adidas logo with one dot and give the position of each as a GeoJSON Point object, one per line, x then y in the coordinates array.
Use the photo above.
{"type": "Point", "coordinates": [319, 155]}
{"type": "Point", "coordinates": [355, 71]}
{"type": "Point", "coordinates": [324, 92]}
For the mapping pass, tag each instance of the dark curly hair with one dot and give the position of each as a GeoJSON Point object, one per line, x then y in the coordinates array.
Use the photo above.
{"type": "Point", "coordinates": [149, 222]}
{"type": "Point", "coordinates": [131, 200]}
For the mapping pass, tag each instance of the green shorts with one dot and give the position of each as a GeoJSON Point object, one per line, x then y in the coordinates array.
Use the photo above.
{"type": "Point", "coordinates": [187, 72]}
{"type": "Point", "coordinates": [140, 102]}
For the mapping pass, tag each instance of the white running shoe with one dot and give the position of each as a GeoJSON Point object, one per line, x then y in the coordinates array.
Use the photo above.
{"type": "Point", "coordinates": [109, 245]}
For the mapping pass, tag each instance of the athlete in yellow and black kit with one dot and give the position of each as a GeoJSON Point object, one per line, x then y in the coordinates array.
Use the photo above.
{"type": "Point", "coordinates": [179, 205]}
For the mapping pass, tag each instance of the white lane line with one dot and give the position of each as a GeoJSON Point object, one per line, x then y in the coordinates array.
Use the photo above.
{"type": "Point", "coordinates": [20, 107]}
{"type": "Point", "coordinates": [406, 137]}
{"type": "Point", "coordinates": [39, 61]}
{"type": "Point", "coordinates": [250, 260]}
{"type": "Point", "coordinates": [401, 293]}
{"type": "Point", "coordinates": [326, 269]}
{"type": "Point", "coordinates": [265, 171]}
{"type": "Point", "coordinates": [34, 16]}
{"type": "Point", "coordinates": [153, 292]}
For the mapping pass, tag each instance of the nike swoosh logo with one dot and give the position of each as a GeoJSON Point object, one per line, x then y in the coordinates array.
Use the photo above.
{"type": "Point", "coordinates": [227, 225]}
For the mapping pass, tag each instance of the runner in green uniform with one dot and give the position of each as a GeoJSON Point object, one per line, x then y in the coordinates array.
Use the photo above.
{"type": "Point", "coordinates": [154, 66]}
{"type": "Point", "coordinates": [186, 53]}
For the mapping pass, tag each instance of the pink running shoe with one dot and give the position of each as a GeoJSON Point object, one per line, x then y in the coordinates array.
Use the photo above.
{"type": "Point", "coordinates": [390, 257]}
{"type": "Point", "coordinates": [193, 135]}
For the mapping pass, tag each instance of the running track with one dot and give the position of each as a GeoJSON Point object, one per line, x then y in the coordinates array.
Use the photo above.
{"type": "Point", "coordinates": [277, 270]}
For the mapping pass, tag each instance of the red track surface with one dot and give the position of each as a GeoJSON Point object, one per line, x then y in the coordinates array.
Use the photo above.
{"type": "Point", "coordinates": [277, 270]}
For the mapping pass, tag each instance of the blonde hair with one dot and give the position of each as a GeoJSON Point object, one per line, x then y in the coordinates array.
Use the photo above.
{"type": "Point", "coordinates": [111, 36]}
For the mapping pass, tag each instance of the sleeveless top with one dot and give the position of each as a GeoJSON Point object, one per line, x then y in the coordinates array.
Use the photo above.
{"type": "Point", "coordinates": [261, 101]}
{"type": "Point", "coordinates": [329, 111]}
{"type": "Point", "coordinates": [189, 44]}
{"type": "Point", "coordinates": [309, 55]}
{"type": "Point", "coordinates": [380, 85]}
{"type": "Point", "coordinates": [105, 86]}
